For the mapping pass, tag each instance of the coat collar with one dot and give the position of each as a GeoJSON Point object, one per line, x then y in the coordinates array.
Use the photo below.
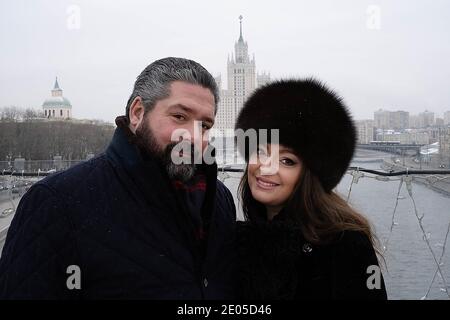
{"type": "Point", "coordinates": [150, 180]}
{"type": "Point", "coordinates": [123, 149]}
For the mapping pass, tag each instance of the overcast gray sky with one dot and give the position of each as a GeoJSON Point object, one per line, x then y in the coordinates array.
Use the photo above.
{"type": "Point", "coordinates": [398, 59]}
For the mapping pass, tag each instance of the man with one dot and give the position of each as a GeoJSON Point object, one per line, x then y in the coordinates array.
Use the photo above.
{"type": "Point", "coordinates": [133, 222]}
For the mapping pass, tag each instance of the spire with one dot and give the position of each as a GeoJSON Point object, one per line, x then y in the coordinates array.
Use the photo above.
{"type": "Point", "coordinates": [240, 29]}
{"type": "Point", "coordinates": [56, 91]}
{"type": "Point", "coordinates": [241, 48]}
{"type": "Point", "coordinates": [56, 85]}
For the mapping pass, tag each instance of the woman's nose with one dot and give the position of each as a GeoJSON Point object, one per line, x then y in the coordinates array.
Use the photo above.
{"type": "Point", "coordinates": [269, 165]}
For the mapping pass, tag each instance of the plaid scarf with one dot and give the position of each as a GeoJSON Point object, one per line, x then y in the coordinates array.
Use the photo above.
{"type": "Point", "coordinates": [192, 194]}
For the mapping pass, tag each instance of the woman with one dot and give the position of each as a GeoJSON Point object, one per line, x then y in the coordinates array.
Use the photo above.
{"type": "Point", "coordinates": [301, 240]}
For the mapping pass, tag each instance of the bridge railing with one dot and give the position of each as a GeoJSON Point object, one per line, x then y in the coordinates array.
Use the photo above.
{"type": "Point", "coordinates": [14, 184]}
{"type": "Point", "coordinates": [34, 166]}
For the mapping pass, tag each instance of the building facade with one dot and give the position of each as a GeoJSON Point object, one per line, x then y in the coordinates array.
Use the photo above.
{"type": "Point", "coordinates": [409, 137]}
{"type": "Point", "coordinates": [57, 106]}
{"type": "Point", "coordinates": [447, 117]}
{"type": "Point", "coordinates": [426, 119]}
{"type": "Point", "coordinates": [242, 81]}
{"type": "Point", "coordinates": [399, 120]}
{"type": "Point", "coordinates": [396, 120]}
{"type": "Point", "coordinates": [365, 130]}
{"type": "Point", "coordinates": [445, 146]}
{"type": "Point", "coordinates": [381, 119]}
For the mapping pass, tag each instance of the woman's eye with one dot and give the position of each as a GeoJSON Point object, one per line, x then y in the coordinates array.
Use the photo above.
{"type": "Point", "coordinates": [287, 162]}
{"type": "Point", "coordinates": [206, 127]}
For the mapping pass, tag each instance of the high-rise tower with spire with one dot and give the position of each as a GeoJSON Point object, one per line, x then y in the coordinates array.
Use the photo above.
{"type": "Point", "coordinates": [241, 80]}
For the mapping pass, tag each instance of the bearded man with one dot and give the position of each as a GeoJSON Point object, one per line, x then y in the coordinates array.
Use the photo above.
{"type": "Point", "coordinates": [147, 219]}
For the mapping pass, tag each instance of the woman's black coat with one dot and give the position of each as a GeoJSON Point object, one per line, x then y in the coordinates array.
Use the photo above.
{"type": "Point", "coordinates": [276, 262]}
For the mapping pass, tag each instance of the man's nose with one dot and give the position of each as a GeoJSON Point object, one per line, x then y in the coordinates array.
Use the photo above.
{"type": "Point", "coordinates": [196, 135]}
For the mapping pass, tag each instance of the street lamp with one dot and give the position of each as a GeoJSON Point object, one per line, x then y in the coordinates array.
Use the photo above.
{"type": "Point", "coordinates": [9, 158]}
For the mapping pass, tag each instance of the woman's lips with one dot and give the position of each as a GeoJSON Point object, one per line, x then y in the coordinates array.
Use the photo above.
{"type": "Point", "coordinates": [266, 184]}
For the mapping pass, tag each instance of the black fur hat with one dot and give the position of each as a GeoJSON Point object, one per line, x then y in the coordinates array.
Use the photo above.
{"type": "Point", "coordinates": [312, 120]}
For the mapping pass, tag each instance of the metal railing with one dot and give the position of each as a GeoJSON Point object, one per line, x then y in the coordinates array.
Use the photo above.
{"type": "Point", "coordinates": [404, 178]}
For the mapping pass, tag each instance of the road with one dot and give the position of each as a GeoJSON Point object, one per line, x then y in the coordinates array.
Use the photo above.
{"type": "Point", "coordinates": [5, 221]}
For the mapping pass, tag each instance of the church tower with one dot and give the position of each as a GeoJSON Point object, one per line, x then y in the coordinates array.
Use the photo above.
{"type": "Point", "coordinates": [57, 106]}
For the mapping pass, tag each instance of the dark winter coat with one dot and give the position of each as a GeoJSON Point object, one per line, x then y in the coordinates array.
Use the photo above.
{"type": "Point", "coordinates": [117, 218]}
{"type": "Point", "coordinates": [276, 262]}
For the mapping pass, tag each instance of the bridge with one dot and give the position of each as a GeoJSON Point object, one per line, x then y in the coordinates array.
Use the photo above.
{"type": "Point", "coordinates": [392, 147]}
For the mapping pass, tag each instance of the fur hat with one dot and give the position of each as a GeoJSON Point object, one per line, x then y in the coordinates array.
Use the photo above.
{"type": "Point", "coordinates": [312, 120]}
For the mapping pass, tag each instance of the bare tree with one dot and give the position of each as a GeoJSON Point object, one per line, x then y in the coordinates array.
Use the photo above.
{"type": "Point", "coordinates": [11, 113]}
{"type": "Point", "coordinates": [41, 140]}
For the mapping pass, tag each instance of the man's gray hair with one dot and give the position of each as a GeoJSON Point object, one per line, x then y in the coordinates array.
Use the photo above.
{"type": "Point", "coordinates": [153, 84]}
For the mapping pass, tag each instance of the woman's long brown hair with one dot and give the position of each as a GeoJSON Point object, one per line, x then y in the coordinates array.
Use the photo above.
{"type": "Point", "coordinates": [321, 216]}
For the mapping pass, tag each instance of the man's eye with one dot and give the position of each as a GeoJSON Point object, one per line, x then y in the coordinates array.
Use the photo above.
{"type": "Point", "coordinates": [206, 126]}
{"type": "Point", "coordinates": [180, 117]}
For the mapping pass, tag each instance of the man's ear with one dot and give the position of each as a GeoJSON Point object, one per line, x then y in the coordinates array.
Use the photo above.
{"type": "Point", "coordinates": [136, 113]}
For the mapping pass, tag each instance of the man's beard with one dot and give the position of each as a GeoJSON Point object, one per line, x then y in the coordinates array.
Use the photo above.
{"type": "Point", "coordinates": [147, 141]}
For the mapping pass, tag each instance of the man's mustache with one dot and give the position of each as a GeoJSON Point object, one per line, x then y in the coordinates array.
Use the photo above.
{"type": "Point", "coordinates": [184, 151]}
